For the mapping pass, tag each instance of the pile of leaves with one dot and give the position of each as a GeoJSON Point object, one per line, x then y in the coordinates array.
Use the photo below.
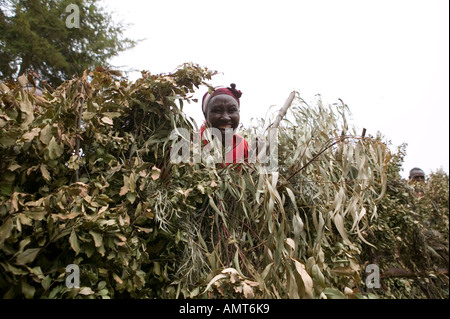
{"type": "Point", "coordinates": [87, 179]}
{"type": "Point", "coordinates": [80, 184]}
{"type": "Point", "coordinates": [412, 235]}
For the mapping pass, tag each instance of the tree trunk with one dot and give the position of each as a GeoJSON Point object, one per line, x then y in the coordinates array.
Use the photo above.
{"type": "Point", "coordinates": [25, 65]}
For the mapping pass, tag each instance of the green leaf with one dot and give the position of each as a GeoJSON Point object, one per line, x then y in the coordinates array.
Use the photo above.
{"type": "Point", "coordinates": [126, 186]}
{"type": "Point", "coordinates": [216, 278]}
{"type": "Point", "coordinates": [45, 172]}
{"type": "Point", "coordinates": [6, 189]}
{"type": "Point", "coordinates": [339, 223]}
{"type": "Point", "coordinates": [131, 196]}
{"type": "Point", "coordinates": [27, 108]}
{"type": "Point", "coordinates": [156, 172]}
{"type": "Point", "coordinates": [9, 138]}
{"type": "Point", "coordinates": [156, 268]}
{"type": "Point", "coordinates": [37, 213]}
{"type": "Point", "coordinates": [107, 120]}
{"type": "Point", "coordinates": [16, 270]}
{"type": "Point", "coordinates": [13, 167]}
{"type": "Point", "coordinates": [112, 114]}
{"type": "Point", "coordinates": [5, 230]}
{"type": "Point", "coordinates": [23, 80]}
{"type": "Point", "coordinates": [46, 282]}
{"type": "Point", "coordinates": [98, 239]}
{"type": "Point", "coordinates": [30, 135]}
{"type": "Point", "coordinates": [74, 243]}
{"type": "Point", "coordinates": [28, 290]}
{"type": "Point", "coordinates": [86, 291]}
{"type": "Point", "coordinates": [333, 293]}
{"type": "Point", "coordinates": [46, 134]}
{"type": "Point", "coordinates": [318, 276]}
{"type": "Point", "coordinates": [27, 256]}
{"type": "Point", "coordinates": [88, 115]}
{"type": "Point", "coordinates": [54, 149]}
{"type": "Point", "coordinates": [306, 278]}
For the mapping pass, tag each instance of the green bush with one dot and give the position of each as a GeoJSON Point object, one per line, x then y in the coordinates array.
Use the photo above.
{"type": "Point", "coordinates": [411, 234]}
{"type": "Point", "coordinates": [98, 210]}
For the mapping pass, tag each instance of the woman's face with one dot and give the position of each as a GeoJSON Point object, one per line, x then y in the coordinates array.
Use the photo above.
{"type": "Point", "coordinates": [223, 113]}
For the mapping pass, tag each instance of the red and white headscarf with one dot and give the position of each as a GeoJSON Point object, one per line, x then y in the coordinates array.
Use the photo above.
{"type": "Point", "coordinates": [236, 94]}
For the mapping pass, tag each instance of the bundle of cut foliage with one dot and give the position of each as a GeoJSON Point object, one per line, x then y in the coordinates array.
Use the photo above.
{"type": "Point", "coordinates": [411, 235]}
{"type": "Point", "coordinates": [87, 179]}
{"type": "Point", "coordinates": [80, 184]}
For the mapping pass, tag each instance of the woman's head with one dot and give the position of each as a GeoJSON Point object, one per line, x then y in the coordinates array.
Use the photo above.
{"type": "Point", "coordinates": [222, 107]}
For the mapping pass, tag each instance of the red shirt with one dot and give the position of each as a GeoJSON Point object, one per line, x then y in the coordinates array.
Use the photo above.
{"type": "Point", "coordinates": [238, 152]}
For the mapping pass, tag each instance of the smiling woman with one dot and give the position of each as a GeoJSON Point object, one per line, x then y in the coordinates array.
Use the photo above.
{"type": "Point", "coordinates": [221, 109]}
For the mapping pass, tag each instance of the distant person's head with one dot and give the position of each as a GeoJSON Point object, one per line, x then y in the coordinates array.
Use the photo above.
{"type": "Point", "coordinates": [416, 175]}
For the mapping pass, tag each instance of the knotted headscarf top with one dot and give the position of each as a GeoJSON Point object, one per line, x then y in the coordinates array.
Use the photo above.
{"type": "Point", "coordinates": [236, 94]}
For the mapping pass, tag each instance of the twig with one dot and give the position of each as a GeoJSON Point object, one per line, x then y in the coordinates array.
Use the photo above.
{"type": "Point", "coordinates": [278, 119]}
{"type": "Point", "coordinates": [283, 110]}
{"type": "Point", "coordinates": [78, 136]}
{"type": "Point", "coordinates": [363, 133]}
{"type": "Point", "coordinates": [312, 160]}
{"type": "Point", "coordinates": [406, 273]}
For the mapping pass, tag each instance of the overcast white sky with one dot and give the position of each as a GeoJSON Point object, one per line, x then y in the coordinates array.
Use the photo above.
{"type": "Point", "coordinates": [388, 60]}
